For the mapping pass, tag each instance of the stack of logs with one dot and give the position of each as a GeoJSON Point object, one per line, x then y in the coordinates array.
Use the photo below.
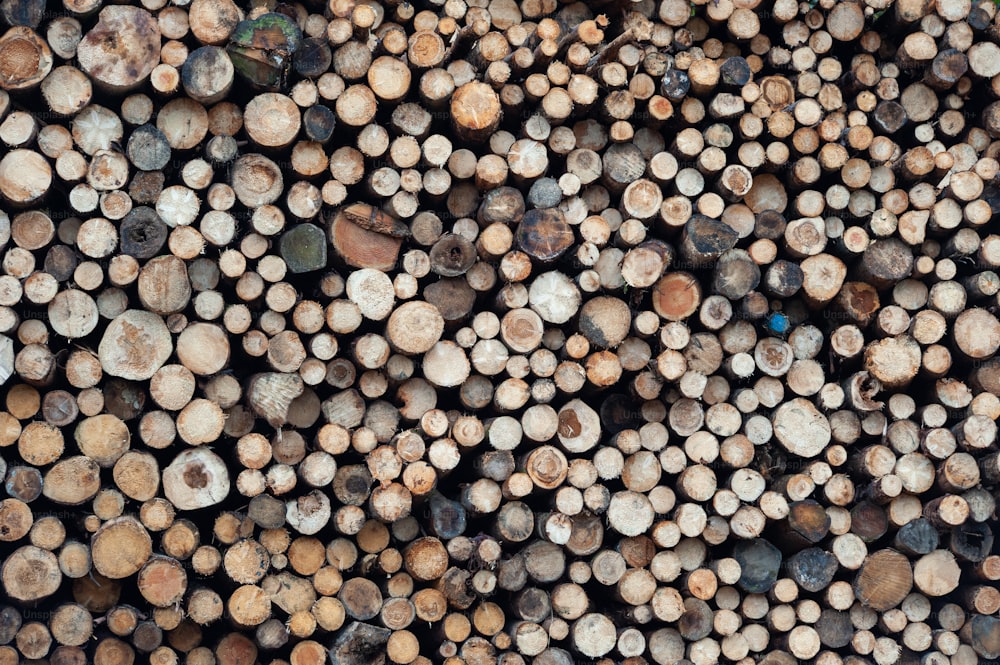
{"type": "Point", "coordinates": [485, 332]}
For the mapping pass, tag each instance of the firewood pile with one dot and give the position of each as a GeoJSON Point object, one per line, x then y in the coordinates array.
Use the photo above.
{"type": "Point", "coordinates": [485, 332]}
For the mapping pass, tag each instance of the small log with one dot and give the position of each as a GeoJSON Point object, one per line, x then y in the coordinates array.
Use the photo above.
{"type": "Point", "coordinates": [579, 426]}
{"type": "Point", "coordinates": [759, 564]}
{"type": "Point", "coordinates": [135, 344]}
{"type": "Point", "coordinates": [884, 580]}
{"type": "Point", "coordinates": [30, 574]}
{"type": "Point", "coordinates": [213, 22]}
{"type": "Point", "coordinates": [973, 332]}
{"type": "Point", "coordinates": [26, 56]}
{"type": "Point", "coordinates": [364, 237]}
{"type": "Point", "coordinates": [203, 348]}
{"type": "Point", "coordinates": [414, 327]}
{"type": "Point", "coordinates": [272, 120]}
{"type": "Point", "coordinates": [605, 321]}
{"type": "Point", "coordinates": [893, 361]}
{"type": "Point", "coordinates": [735, 274]}
{"type": "Point", "coordinates": [807, 524]}
{"type": "Point", "coordinates": [72, 481]}
{"type": "Point", "coordinates": [162, 581]}
{"type": "Point", "coordinates": [360, 644]}
{"type": "Point", "coordinates": [196, 478]}
{"type": "Point", "coordinates": [554, 297]}
{"type": "Point", "coordinates": [207, 74]}
{"type": "Point", "coordinates": [676, 296]}
{"type": "Point", "coordinates": [475, 112]}
{"type": "Point", "coordinates": [544, 235]}
{"type": "Point", "coordinates": [800, 428]}
{"type": "Point", "coordinates": [261, 48]}
{"type": "Point", "coordinates": [971, 542]}
{"type": "Point", "coordinates": [918, 537]}
{"type": "Point", "coordinates": [448, 517]}
{"type": "Point", "coordinates": [452, 255]}
{"type": "Point", "coordinates": [704, 240]}
{"type": "Point", "coordinates": [593, 635]}
{"type": "Point", "coordinates": [982, 632]}
{"type": "Point", "coordinates": [66, 90]}
{"type": "Point", "coordinates": [142, 232]}
{"type": "Point", "coordinates": [103, 438]}
{"type": "Point", "coordinates": [304, 249]}
{"type": "Point", "coordinates": [256, 180]}
{"type": "Point", "coordinates": [318, 123]}
{"type": "Point", "coordinates": [886, 262]}
{"type": "Point", "coordinates": [313, 58]}
{"type": "Point", "coordinates": [249, 606]}
{"type": "Point", "coordinates": [446, 364]}
{"type": "Point", "coordinates": [834, 628]}
{"type": "Point", "coordinates": [309, 513]}
{"type": "Point", "coordinates": [25, 177]}
{"type": "Point", "coordinates": [120, 547]}
{"type": "Point", "coordinates": [858, 301]}
{"type": "Point", "coordinates": [73, 314]}
{"type": "Point", "coordinates": [936, 573]}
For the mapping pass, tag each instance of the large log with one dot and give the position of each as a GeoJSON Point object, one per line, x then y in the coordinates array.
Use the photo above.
{"type": "Point", "coordinates": [120, 52]}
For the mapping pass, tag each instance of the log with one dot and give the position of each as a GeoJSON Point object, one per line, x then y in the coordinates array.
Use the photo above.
{"type": "Point", "coordinates": [605, 321]}
{"type": "Point", "coordinates": [676, 296]}
{"type": "Point", "coordinates": [304, 249]}
{"type": "Point", "coordinates": [120, 51]}
{"type": "Point", "coordinates": [800, 428]}
{"type": "Point", "coordinates": [884, 580]}
{"type": "Point", "coordinates": [30, 574]}
{"type": "Point", "coordinates": [359, 644]}
{"type": "Point", "coordinates": [135, 344]}
{"type": "Point", "coordinates": [906, 362]}
{"type": "Point", "coordinates": [207, 73]}
{"type": "Point", "coordinates": [196, 478]}
{"type": "Point", "coordinates": [544, 235]}
{"type": "Point", "coordinates": [452, 255]}
{"type": "Point", "coordinates": [936, 573]}
{"type": "Point", "coordinates": [272, 120]}
{"type": "Point", "coordinates": [704, 240]}
{"type": "Point", "coordinates": [260, 49]}
{"type": "Point", "coordinates": [364, 237]}
{"type": "Point", "coordinates": [759, 564]}
{"type": "Point", "coordinates": [27, 58]}
{"type": "Point", "coordinates": [25, 177]}
{"type": "Point", "coordinates": [120, 547]}
{"type": "Point", "coordinates": [981, 632]}
{"type": "Point", "coordinates": [475, 111]}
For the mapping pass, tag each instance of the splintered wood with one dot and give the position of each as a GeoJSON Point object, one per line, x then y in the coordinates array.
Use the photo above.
{"type": "Point", "coordinates": [499, 332]}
